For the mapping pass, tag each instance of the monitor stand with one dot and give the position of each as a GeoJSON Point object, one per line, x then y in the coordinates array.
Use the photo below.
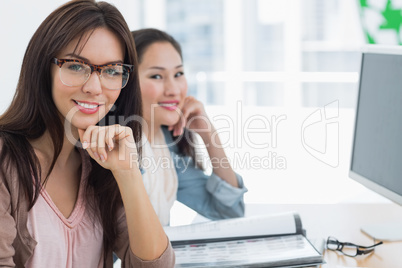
{"type": "Point", "coordinates": [388, 231]}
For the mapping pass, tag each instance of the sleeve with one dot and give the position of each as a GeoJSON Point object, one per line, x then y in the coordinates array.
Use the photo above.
{"type": "Point", "coordinates": [209, 195]}
{"type": "Point", "coordinates": [8, 230]}
{"type": "Point", "coordinates": [128, 258]}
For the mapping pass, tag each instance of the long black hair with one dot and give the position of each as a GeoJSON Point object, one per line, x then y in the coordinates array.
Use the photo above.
{"type": "Point", "coordinates": [144, 38]}
{"type": "Point", "coordinates": [32, 111]}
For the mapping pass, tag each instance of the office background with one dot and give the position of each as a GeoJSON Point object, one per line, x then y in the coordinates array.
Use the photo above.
{"type": "Point", "coordinates": [268, 66]}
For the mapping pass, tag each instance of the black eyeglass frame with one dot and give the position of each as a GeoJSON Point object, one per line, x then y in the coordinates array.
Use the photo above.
{"type": "Point", "coordinates": [94, 67]}
{"type": "Point", "coordinates": [360, 250]}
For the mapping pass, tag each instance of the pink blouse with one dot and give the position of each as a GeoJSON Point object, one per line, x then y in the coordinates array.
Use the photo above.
{"type": "Point", "coordinates": [79, 242]}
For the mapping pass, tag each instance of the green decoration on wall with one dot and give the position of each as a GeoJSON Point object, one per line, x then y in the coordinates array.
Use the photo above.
{"type": "Point", "coordinates": [381, 21]}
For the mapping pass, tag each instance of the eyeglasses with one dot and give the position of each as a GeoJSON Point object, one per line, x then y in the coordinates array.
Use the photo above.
{"type": "Point", "coordinates": [349, 249]}
{"type": "Point", "coordinates": [75, 72]}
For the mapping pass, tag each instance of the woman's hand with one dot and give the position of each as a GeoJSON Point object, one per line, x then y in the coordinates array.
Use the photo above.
{"type": "Point", "coordinates": [193, 117]}
{"type": "Point", "coordinates": [113, 147]}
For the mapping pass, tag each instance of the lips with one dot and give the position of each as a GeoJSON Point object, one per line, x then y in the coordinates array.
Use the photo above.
{"type": "Point", "coordinates": [169, 105]}
{"type": "Point", "coordinates": [87, 107]}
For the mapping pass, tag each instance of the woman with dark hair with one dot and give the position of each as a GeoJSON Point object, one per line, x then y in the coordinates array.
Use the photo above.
{"type": "Point", "coordinates": [68, 154]}
{"type": "Point", "coordinates": [172, 121]}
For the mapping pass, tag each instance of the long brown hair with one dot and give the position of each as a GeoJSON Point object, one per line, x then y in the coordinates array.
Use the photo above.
{"type": "Point", "coordinates": [143, 38]}
{"type": "Point", "coordinates": [32, 111]}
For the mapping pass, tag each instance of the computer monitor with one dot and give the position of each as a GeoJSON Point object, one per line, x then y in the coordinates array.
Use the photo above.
{"type": "Point", "coordinates": [376, 160]}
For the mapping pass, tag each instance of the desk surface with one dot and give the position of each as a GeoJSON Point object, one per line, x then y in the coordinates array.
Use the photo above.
{"type": "Point", "coordinates": [343, 221]}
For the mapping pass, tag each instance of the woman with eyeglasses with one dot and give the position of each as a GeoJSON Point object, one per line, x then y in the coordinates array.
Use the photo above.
{"type": "Point", "coordinates": [71, 191]}
{"type": "Point", "coordinates": [171, 122]}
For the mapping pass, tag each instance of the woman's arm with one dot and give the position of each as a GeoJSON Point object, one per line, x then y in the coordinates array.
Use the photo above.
{"type": "Point", "coordinates": [113, 147]}
{"type": "Point", "coordinates": [147, 239]}
{"type": "Point", "coordinates": [195, 118]}
{"type": "Point", "coordinates": [219, 161]}
{"type": "Point", "coordinates": [209, 195]}
{"type": "Point", "coordinates": [8, 231]}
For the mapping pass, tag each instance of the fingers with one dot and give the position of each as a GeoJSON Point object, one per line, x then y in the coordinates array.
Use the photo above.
{"type": "Point", "coordinates": [192, 110]}
{"type": "Point", "coordinates": [95, 143]}
{"type": "Point", "coordinates": [178, 128]}
{"type": "Point", "coordinates": [187, 109]}
{"type": "Point", "coordinates": [98, 141]}
{"type": "Point", "coordinates": [109, 139]}
{"type": "Point", "coordinates": [101, 145]}
{"type": "Point", "coordinates": [189, 106]}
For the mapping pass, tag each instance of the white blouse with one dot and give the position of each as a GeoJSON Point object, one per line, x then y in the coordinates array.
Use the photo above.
{"type": "Point", "coordinates": [160, 177]}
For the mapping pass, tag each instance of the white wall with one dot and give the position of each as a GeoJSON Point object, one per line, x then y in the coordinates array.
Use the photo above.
{"type": "Point", "coordinates": [19, 20]}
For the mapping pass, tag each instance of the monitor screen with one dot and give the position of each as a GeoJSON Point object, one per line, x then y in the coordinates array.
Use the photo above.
{"type": "Point", "coordinates": [376, 160]}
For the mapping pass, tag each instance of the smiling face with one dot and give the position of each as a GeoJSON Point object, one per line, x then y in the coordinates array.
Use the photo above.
{"type": "Point", "coordinates": [87, 104]}
{"type": "Point", "coordinates": [163, 84]}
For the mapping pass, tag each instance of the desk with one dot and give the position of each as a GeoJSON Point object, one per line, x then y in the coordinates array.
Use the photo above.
{"type": "Point", "coordinates": [343, 221]}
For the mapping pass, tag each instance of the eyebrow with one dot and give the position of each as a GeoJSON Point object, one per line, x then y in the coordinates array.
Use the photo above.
{"type": "Point", "coordinates": [162, 68]}
{"type": "Point", "coordinates": [88, 61]}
